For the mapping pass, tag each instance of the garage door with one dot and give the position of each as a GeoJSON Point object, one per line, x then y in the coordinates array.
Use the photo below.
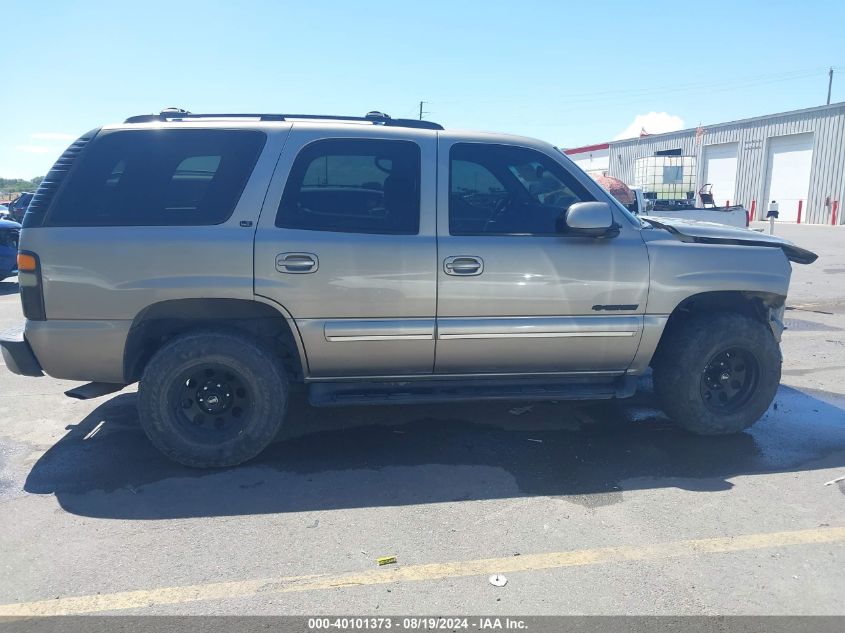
{"type": "Point", "coordinates": [788, 178]}
{"type": "Point", "coordinates": [720, 171]}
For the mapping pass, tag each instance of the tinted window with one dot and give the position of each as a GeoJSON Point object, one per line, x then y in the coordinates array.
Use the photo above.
{"type": "Point", "coordinates": [506, 190]}
{"type": "Point", "coordinates": [354, 185]}
{"type": "Point", "coordinates": [159, 177]}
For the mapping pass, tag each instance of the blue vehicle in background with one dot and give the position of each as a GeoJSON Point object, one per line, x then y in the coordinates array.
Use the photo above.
{"type": "Point", "coordinates": [18, 206]}
{"type": "Point", "coordinates": [9, 234]}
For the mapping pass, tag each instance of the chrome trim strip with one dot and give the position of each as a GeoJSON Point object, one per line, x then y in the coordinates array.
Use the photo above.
{"type": "Point", "coordinates": [452, 337]}
{"type": "Point", "coordinates": [599, 326]}
{"type": "Point", "coordinates": [381, 337]}
{"type": "Point", "coordinates": [355, 330]}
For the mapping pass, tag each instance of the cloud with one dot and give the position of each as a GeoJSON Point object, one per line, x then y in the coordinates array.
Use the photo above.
{"type": "Point", "coordinates": [653, 123]}
{"type": "Point", "coordinates": [39, 149]}
{"type": "Point", "coordinates": [53, 136]}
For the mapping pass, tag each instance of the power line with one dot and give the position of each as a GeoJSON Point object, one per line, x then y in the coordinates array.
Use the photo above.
{"type": "Point", "coordinates": [647, 92]}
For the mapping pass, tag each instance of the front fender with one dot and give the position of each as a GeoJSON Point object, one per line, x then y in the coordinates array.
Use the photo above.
{"type": "Point", "coordinates": [679, 270]}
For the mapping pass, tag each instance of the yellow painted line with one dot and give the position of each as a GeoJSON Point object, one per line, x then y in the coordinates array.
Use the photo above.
{"type": "Point", "coordinates": [142, 598]}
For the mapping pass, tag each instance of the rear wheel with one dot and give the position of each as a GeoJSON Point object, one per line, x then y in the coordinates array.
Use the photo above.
{"type": "Point", "coordinates": [212, 399]}
{"type": "Point", "coordinates": [717, 373]}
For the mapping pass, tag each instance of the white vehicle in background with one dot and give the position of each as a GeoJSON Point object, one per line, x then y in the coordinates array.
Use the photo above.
{"type": "Point", "coordinates": [638, 202]}
{"type": "Point", "coordinates": [734, 215]}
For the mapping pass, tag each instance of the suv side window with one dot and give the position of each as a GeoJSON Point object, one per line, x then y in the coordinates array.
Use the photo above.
{"type": "Point", "coordinates": [158, 178]}
{"type": "Point", "coordinates": [354, 186]}
{"type": "Point", "coordinates": [508, 190]}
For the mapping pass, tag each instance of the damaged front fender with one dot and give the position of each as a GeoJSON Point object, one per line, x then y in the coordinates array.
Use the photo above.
{"type": "Point", "coordinates": [710, 233]}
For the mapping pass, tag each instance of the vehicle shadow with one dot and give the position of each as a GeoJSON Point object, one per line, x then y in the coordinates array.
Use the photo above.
{"type": "Point", "coordinates": [9, 288]}
{"type": "Point", "coordinates": [384, 456]}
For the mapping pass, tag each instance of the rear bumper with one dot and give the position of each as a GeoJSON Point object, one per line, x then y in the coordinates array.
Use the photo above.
{"type": "Point", "coordinates": [18, 355]}
{"type": "Point", "coordinates": [90, 351]}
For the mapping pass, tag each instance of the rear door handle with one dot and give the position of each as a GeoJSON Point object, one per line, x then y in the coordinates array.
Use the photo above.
{"type": "Point", "coordinates": [464, 265]}
{"type": "Point", "coordinates": [297, 263]}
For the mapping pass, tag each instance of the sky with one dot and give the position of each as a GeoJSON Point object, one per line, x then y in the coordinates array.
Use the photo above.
{"type": "Point", "coordinates": [572, 73]}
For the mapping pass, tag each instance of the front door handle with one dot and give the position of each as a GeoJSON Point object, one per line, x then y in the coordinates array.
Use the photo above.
{"type": "Point", "coordinates": [297, 263]}
{"type": "Point", "coordinates": [464, 265]}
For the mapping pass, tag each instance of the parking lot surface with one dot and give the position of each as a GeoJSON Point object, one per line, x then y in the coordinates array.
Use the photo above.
{"type": "Point", "coordinates": [589, 508]}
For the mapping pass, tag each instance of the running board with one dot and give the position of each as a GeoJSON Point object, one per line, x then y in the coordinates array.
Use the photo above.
{"type": "Point", "coordinates": [426, 391]}
{"type": "Point", "coordinates": [93, 390]}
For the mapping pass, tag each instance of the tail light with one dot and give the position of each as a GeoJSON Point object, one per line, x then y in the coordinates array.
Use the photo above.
{"type": "Point", "coordinates": [31, 289]}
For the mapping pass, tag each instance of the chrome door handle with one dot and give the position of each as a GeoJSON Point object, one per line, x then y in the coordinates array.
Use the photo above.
{"type": "Point", "coordinates": [297, 263]}
{"type": "Point", "coordinates": [465, 265]}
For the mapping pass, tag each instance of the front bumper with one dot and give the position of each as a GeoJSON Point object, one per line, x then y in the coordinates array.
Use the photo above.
{"type": "Point", "coordinates": [17, 353]}
{"type": "Point", "coordinates": [776, 321]}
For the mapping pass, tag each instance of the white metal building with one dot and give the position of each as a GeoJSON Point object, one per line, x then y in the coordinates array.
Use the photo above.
{"type": "Point", "coordinates": [593, 159]}
{"type": "Point", "coordinates": [796, 158]}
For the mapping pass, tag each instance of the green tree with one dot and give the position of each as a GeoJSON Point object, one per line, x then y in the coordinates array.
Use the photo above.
{"type": "Point", "coordinates": [11, 187]}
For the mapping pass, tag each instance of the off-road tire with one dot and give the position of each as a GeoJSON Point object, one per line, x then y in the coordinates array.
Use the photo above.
{"type": "Point", "coordinates": [262, 394]}
{"type": "Point", "coordinates": [684, 365]}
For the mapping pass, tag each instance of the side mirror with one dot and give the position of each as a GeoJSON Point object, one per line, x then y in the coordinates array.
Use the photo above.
{"type": "Point", "coordinates": [590, 219]}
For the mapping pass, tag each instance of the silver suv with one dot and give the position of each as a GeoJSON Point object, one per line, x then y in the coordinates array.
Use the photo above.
{"type": "Point", "coordinates": [220, 259]}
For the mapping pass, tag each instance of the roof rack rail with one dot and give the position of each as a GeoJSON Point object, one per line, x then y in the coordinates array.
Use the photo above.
{"type": "Point", "coordinates": [374, 117]}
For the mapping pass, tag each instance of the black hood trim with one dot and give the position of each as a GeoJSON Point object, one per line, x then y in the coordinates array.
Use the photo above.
{"type": "Point", "coordinates": [793, 253]}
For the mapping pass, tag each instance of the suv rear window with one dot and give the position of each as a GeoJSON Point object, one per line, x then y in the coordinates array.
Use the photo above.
{"type": "Point", "coordinates": [158, 178]}
{"type": "Point", "coordinates": [354, 186]}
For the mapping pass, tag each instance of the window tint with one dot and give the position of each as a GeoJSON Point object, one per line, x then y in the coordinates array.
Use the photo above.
{"type": "Point", "coordinates": [354, 185]}
{"type": "Point", "coordinates": [506, 190]}
{"type": "Point", "coordinates": [159, 177]}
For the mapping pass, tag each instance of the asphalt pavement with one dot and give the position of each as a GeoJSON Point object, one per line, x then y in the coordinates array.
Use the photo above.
{"type": "Point", "coordinates": [590, 508]}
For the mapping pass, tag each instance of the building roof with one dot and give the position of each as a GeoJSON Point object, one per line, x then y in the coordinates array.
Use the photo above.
{"type": "Point", "coordinates": [586, 148]}
{"type": "Point", "coordinates": [599, 146]}
{"type": "Point", "coordinates": [691, 130]}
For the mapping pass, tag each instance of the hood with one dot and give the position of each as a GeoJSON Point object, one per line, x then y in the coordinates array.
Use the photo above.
{"type": "Point", "coordinates": [712, 233]}
{"type": "Point", "coordinates": [9, 224]}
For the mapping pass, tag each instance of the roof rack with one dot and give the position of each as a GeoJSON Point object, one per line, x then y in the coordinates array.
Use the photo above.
{"type": "Point", "coordinates": [374, 117]}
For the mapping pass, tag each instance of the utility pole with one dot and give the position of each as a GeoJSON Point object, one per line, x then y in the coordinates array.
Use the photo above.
{"type": "Point", "coordinates": [829, 84]}
{"type": "Point", "coordinates": [423, 103]}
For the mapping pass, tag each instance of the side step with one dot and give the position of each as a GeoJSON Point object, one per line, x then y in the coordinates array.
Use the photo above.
{"type": "Point", "coordinates": [93, 390]}
{"type": "Point", "coordinates": [341, 394]}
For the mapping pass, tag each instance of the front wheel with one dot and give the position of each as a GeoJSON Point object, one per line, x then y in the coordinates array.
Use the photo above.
{"type": "Point", "coordinates": [717, 373]}
{"type": "Point", "coordinates": [212, 399]}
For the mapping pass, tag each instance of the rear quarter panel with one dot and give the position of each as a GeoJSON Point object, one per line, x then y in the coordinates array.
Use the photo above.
{"type": "Point", "coordinates": [96, 280]}
{"type": "Point", "coordinates": [112, 273]}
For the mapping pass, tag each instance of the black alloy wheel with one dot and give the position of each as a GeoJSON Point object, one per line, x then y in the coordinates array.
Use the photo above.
{"type": "Point", "coordinates": [729, 379]}
{"type": "Point", "coordinates": [211, 401]}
